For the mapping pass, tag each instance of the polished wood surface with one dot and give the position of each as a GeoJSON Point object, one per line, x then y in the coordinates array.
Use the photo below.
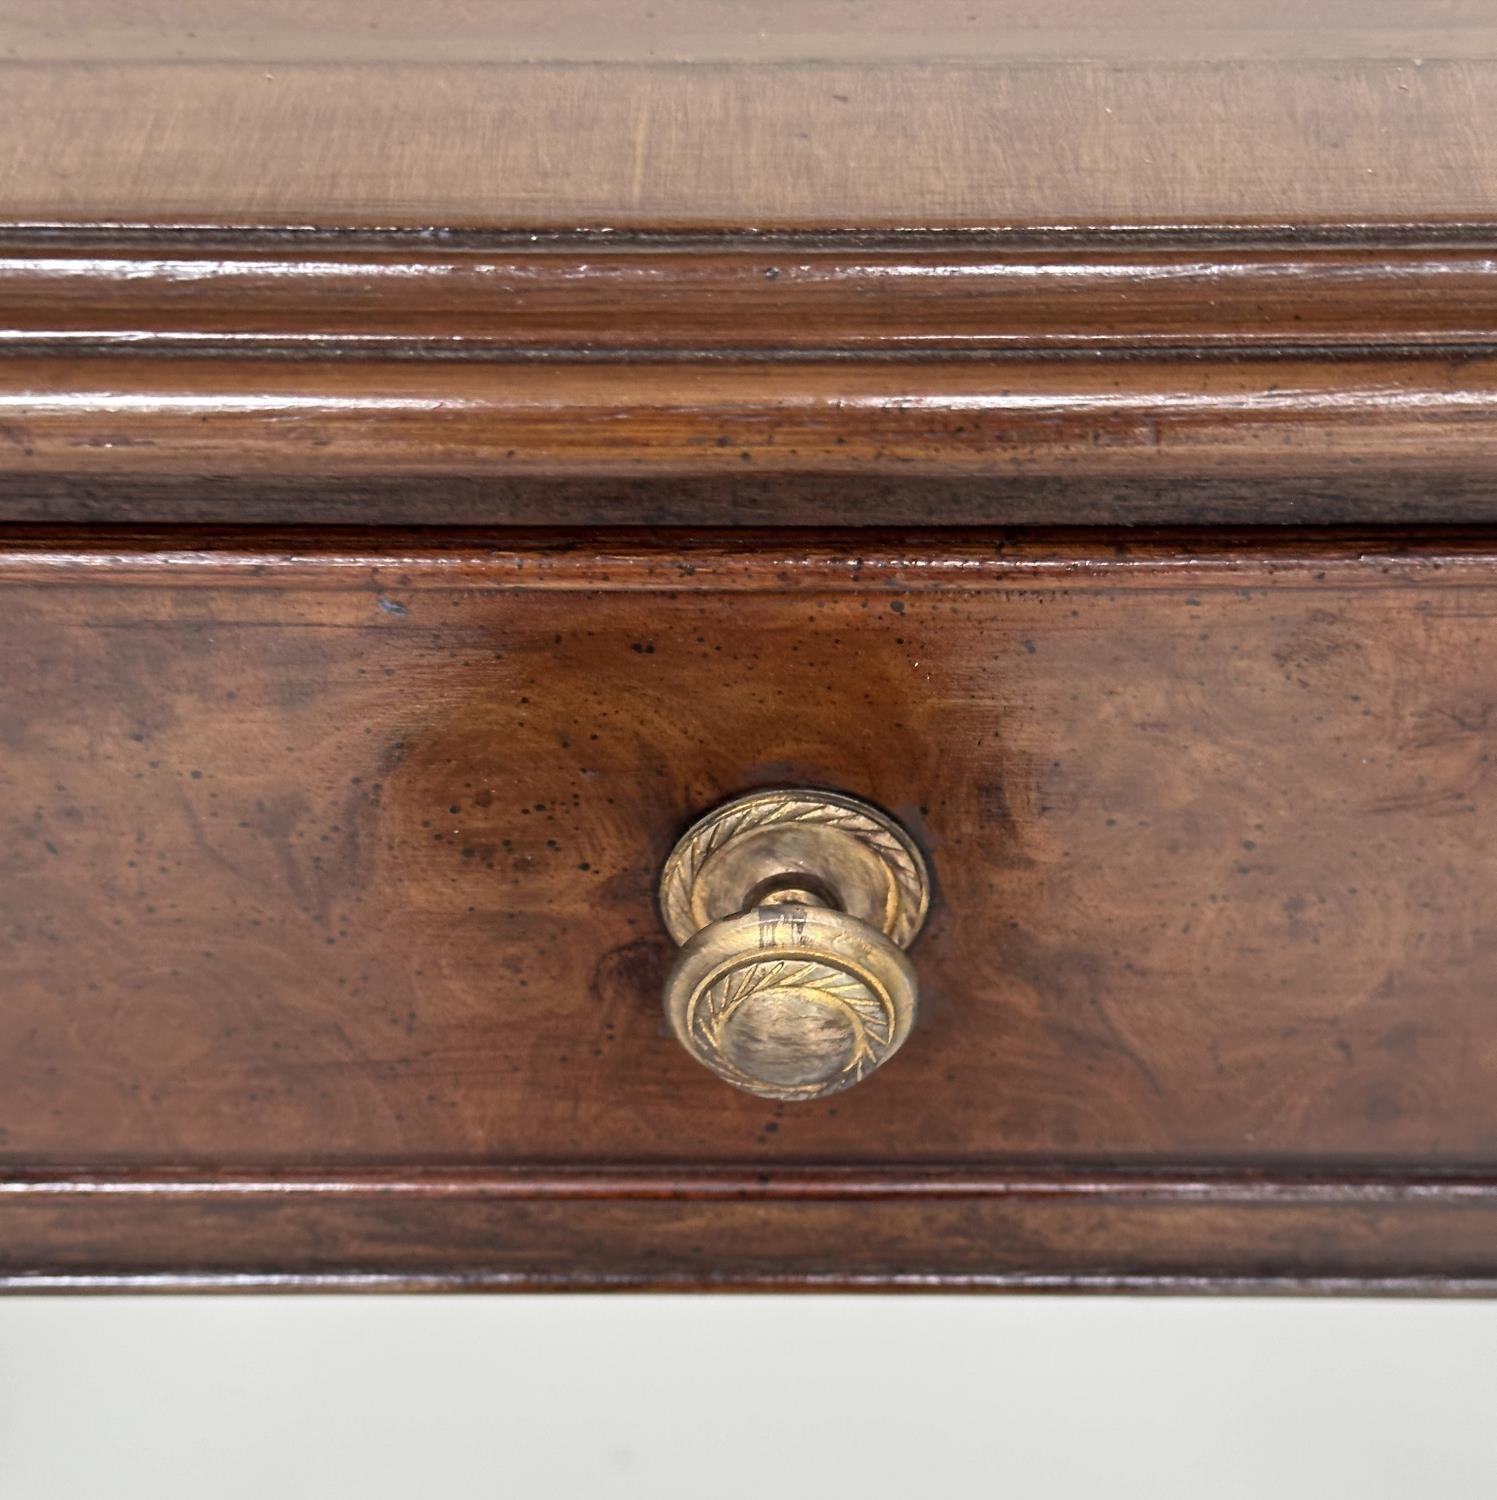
{"type": "Point", "coordinates": [1426, 1237]}
{"type": "Point", "coordinates": [887, 263]}
{"type": "Point", "coordinates": [1246, 292]}
{"type": "Point", "coordinates": [332, 951]}
{"type": "Point", "coordinates": [899, 113]}
{"type": "Point", "coordinates": [607, 380]}
{"type": "Point", "coordinates": [446, 450]}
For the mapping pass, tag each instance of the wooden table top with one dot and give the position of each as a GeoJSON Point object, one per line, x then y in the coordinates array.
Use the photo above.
{"type": "Point", "coordinates": [673, 114]}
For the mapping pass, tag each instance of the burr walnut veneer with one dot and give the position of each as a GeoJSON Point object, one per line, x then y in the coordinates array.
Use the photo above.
{"type": "Point", "coordinates": [448, 453]}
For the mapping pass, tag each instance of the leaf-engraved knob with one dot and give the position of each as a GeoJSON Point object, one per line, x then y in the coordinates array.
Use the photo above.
{"type": "Point", "coordinates": [792, 909]}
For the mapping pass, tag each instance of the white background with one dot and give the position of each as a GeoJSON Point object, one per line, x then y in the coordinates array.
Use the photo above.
{"type": "Point", "coordinates": [852, 1398]}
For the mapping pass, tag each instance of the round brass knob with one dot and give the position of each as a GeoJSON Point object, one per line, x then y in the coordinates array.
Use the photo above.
{"type": "Point", "coordinates": [792, 909]}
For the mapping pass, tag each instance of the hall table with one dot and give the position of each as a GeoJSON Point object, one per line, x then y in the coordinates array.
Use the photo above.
{"type": "Point", "coordinates": [809, 645]}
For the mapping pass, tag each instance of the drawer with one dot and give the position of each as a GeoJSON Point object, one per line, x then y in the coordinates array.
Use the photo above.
{"type": "Point", "coordinates": [332, 951]}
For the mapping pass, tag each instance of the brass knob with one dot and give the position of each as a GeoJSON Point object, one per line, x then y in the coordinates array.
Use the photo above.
{"type": "Point", "coordinates": [793, 909]}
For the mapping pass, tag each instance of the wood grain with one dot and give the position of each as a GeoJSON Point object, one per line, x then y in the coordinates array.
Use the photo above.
{"type": "Point", "coordinates": [624, 298]}
{"type": "Point", "coordinates": [1428, 1247]}
{"type": "Point", "coordinates": [328, 947]}
{"type": "Point", "coordinates": [308, 421]}
{"type": "Point", "coordinates": [329, 875]}
{"type": "Point", "coordinates": [468, 31]}
{"type": "Point", "coordinates": [893, 114]}
{"type": "Point", "coordinates": [1199, 378]}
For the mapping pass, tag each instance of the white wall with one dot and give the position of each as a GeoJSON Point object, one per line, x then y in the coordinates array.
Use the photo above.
{"type": "Point", "coordinates": [856, 1398]}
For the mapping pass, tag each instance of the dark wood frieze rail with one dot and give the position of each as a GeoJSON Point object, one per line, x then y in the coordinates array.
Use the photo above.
{"type": "Point", "coordinates": [609, 379]}
{"type": "Point", "coordinates": [789, 296]}
{"type": "Point", "coordinates": [901, 1227]}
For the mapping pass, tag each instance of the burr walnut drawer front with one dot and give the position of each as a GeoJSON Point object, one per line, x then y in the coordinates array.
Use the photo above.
{"type": "Point", "coordinates": [337, 862]}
